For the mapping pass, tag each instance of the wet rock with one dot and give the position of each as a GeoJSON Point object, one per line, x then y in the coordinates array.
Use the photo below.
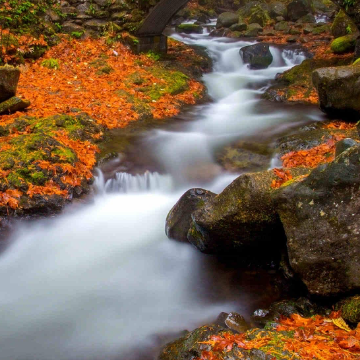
{"type": "Point", "coordinates": [241, 218]}
{"type": "Point", "coordinates": [258, 56]}
{"type": "Point", "coordinates": [96, 25]}
{"type": "Point", "coordinates": [191, 345]}
{"type": "Point", "coordinates": [227, 19]}
{"type": "Point", "coordinates": [277, 9]}
{"type": "Point", "coordinates": [338, 89]}
{"type": "Point", "coordinates": [344, 144]}
{"type": "Point", "coordinates": [9, 78]}
{"type": "Point", "coordinates": [286, 308]}
{"type": "Point", "coordinates": [179, 218]}
{"type": "Point", "coordinates": [236, 322]}
{"type": "Point", "coordinates": [342, 25]}
{"type": "Point", "coordinates": [298, 8]}
{"type": "Point", "coordinates": [13, 104]}
{"type": "Point", "coordinates": [319, 217]}
{"type": "Point", "coordinates": [308, 29]}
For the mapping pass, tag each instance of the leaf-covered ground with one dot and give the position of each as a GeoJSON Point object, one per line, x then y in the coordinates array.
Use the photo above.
{"type": "Point", "coordinates": [77, 90]}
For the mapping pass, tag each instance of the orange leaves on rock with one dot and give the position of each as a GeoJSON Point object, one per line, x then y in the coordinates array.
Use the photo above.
{"type": "Point", "coordinates": [282, 175]}
{"type": "Point", "coordinates": [313, 338]}
{"type": "Point", "coordinates": [313, 157]}
{"type": "Point", "coordinates": [340, 125]}
{"type": "Point", "coordinates": [10, 198]}
{"type": "Point", "coordinates": [50, 188]}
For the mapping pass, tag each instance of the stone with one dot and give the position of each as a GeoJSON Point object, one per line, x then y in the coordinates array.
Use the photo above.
{"type": "Point", "coordinates": [9, 78]}
{"type": "Point", "coordinates": [298, 8]}
{"type": "Point", "coordinates": [241, 26]}
{"type": "Point", "coordinates": [282, 26]}
{"type": "Point", "coordinates": [342, 25]}
{"type": "Point", "coordinates": [279, 18]}
{"type": "Point", "coordinates": [253, 30]}
{"type": "Point", "coordinates": [259, 16]}
{"type": "Point", "coordinates": [53, 16]}
{"type": "Point", "coordinates": [69, 27]}
{"type": "Point", "coordinates": [307, 19]}
{"type": "Point", "coordinates": [236, 322]}
{"type": "Point", "coordinates": [338, 89]}
{"type": "Point", "coordinates": [343, 145]}
{"type": "Point", "coordinates": [96, 25]}
{"type": "Point", "coordinates": [227, 19]}
{"type": "Point", "coordinates": [102, 3]}
{"type": "Point", "coordinates": [258, 56]}
{"type": "Point", "coordinates": [294, 31]}
{"type": "Point", "coordinates": [292, 39]}
{"type": "Point", "coordinates": [350, 309]}
{"type": "Point", "coordinates": [179, 218]}
{"type": "Point", "coordinates": [13, 104]}
{"type": "Point", "coordinates": [308, 29]}
{"type": "Point", "coordinates": [277, 9]}
{"type": "Point", "coordinates": [239, 219]}
{"type": "Point", "coordinates": [343, 44]}
{"type": "Point", "coordinates": [319, 215]}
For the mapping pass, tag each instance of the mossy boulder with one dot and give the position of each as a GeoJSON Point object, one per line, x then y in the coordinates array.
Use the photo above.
{"type": "Point", "coordinates": [9, 78]}
{"type": "Point", "coordinates": [258, 56]}
{"type": "Point", "coordinates": [179, 218]}
{"type": "Point", "coordinates": [339, 90]}
{"type": "Point", "coordinates": [343, 44]}
{"type": "Point", "coordinates": [13, 104]}
{"type": "Point", "coordinates": [240, 26]}
{"type": "Point", "coordinates": [318, 215]}
{"type": "Point", "coordinates": [342, 25]}
{"type": "Point", "coordinates": [259, 16]}
{"type": "Point", "coordinates": [282, 26]}
{"type": "Point", "coordinates": [253, 30]}
{"type": "Point", "coordinates": [227, 19]}
{"type": "Point", "coordinates": [350, 309]}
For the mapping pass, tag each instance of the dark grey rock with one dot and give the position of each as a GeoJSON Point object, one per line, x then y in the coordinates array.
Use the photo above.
{"type": "Point", "coordinates": [344, 144]}
{"type": "Point", "coordinates": [258, 56]}
{"type": "Point", "coordinates": [296, 9]}
{"type": "Point", "coordinates": [227, 19]}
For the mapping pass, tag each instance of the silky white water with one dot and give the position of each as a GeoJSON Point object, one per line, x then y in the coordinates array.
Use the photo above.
{"type": "Point", "coordinates": [101, 281]}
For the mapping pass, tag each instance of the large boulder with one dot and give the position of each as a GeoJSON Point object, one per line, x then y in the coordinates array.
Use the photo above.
{"type": "Point", "coordinates": [351, 8]}
{"type": "Point", "coordinates": [319, 215]}
{"type": "Point", "coordinates": [227, 19]}
{"type": "Point", "coordinates": [259, 16]}
{"type": "Point", "coordinates": [338, 89]}
{"type": "Point", "coordinates": [9, 78]}
{"type": "Point", "coordinates": [258, 56]}
{"type": "Point", "coordinates": [342, 25]}
{"type": "Point", "coordinates": [296, 9]}
{"type": "Point", "coordinates": [242, 217]}
{"type": "Point", "coordinates": [179, 218]}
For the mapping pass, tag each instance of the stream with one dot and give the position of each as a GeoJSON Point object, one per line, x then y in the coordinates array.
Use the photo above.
{"type": "Point", "coordinates": [101, 280]}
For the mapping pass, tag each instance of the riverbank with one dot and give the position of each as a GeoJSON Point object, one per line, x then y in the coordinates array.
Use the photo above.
{"type": "Point", "coordinates": [79, 91]}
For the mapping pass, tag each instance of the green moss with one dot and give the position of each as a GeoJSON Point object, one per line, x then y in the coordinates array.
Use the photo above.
{"type": "Point", "coordinates": [343, 44]}
{"type": "Point", "coordinates": [357, 62]}
{"type": "Point", "coordinates": [320, 30]}
{"type": "Point", "coordinates": [350, 309]}
{"type": "Point", "coordinates": [38, 178]}
{"type": "Point", "coordinates": [51, 64]}
{"type": "Point", "coordinates": [64, 154]}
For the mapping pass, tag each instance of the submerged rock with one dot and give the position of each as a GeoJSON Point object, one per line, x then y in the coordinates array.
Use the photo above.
{"type": "Point", "coordinates": [319, 217]}
{"type": "Point", "coordinates": [179, 218]}
{"type": "Point", "coordinates": [338, 89]}
{"type": "Point", "coordinates": [9, 78]}
{"type": "Point", "coordinates": [258, 56]}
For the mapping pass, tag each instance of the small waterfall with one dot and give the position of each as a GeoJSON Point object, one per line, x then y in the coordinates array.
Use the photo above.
{"type": "Point", "coordinates": [293, 57]}
{"type": "Point", "coordinates": [126, 183]}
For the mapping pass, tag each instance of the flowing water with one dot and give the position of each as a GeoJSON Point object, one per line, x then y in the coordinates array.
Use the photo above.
{"type": "Point", "coordinates": [101, 281]}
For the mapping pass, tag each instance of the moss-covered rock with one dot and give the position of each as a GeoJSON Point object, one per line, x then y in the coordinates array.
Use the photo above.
{"type": "Point", "coordinates": [227, 19]}
{"type": "Point", "coordinates": [344, 44]}
{"type": "Point", "coordinates": [13, 104]}
{"type": "Point", "coordinates": [350, 309]}
{"type": "Point", "coordinates": [189, 29]}
{"type": "Point", "coordinates": [342, 25]}
{"type": "Point", "coordinates": [9, 78]}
